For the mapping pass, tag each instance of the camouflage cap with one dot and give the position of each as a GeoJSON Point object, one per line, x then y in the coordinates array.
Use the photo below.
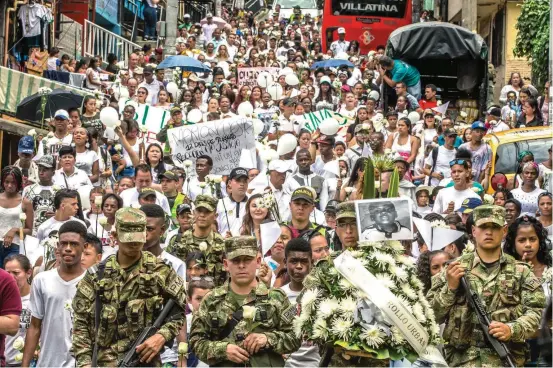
{"type": "Point", "coordinates": [207, 202]}
{"type": "Point", "coordinates": [145, 192]}
{"type": "Point", "coordinates": [345, 210]}
{"type": "Point", "coordinates": [130, 224]}
{"type": "Point", "coordinates": [487, 213]}
{"type": "Point", "coordinates": [241, 246]}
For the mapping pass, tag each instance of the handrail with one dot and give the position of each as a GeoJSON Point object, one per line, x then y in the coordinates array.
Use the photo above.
{"type": "Point", "coordinates": [100, 41]}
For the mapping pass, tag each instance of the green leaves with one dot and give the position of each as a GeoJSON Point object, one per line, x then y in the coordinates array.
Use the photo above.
{"type": "Point", "coordinates": [393, 188]}
{"type": "Point", "coordinates": [368, 180]}
{"type": "Point", "coordinates": [533, 38]}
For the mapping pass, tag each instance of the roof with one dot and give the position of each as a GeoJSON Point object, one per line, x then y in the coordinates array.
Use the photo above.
{"type": "Point", "coordinates": [515, 135]}
{"type": "Point", "coordinates": [435, 40]}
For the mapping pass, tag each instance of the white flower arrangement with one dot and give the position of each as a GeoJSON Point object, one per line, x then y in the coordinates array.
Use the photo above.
{"type": "Point", "coordinates": [183, 348]}
{"type": "Point", "coordinates": [203, 246]}
{"type": "Point", "coordinates": [329, 301]}
{"type": "Point", "coordinates": [50, 135]}
{"type": "Point", "coordinates": [56, 188]}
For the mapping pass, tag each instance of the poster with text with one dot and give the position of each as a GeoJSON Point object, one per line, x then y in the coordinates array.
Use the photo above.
{"type": "Point", "coordinates": [248, 76]}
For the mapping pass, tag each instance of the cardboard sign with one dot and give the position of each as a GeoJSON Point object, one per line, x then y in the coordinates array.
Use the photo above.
{"type": "Point", "coordinates": [222, 140]}
{"type": "Point", "coordinates": [314, 119]}
{"type": "Point", "coordinates": [248, 76]}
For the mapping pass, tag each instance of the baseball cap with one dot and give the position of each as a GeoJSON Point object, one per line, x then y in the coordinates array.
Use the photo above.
{"type": "Point", "coordinates": [325, 79]}
{"type": "Point", "coordinates": [62, 114]}
{"type": "Point", "coordinates": [183, 207]}
{"type": "Point", "coordinates": [26, 145]}
{"type": "Point", "coordinates": [278, 166]}
{"type": "Point", "coordinates": [180, 40]}
{"type": "Point", "coordinates": [46, 161]}
{"type": "Point", "coordinates": [175, 109]}
{"type": "Point", "coordinates": [241, 246]}
{"type": "Point", "coordinates": [341, 30]}
{"type": "Point", "coordinates": [146, 192]}
{"type": "Point", "coordinates": [489, 214]}
{"type": "Point", "coordinates": [478, 125]}
{"type": "Point", "coordinates": [148, 70]}
{"type": "Point", "coordinates": [186, 16]}
{"type": "Point", "coordinates": [168, 175]}
{"type": "Point", "coordinates": [207, 202]}
{"type": "Point", "coordinates": [209, 15]}
{"type": "Point", "coordinates": [469, 204]}
{"type": "Point", "coordinates": [345, 210]}
{"type": "Point", "coordinates": [289, 101]}
{"type": "Point", "coordinates": [494, 111]}
{"type": "Point", "coordinates": [238, 173]}
{"type": "Point", "coordinates": [428, 112]}
{"type": "Point", "coordinates": [362, 128]}
{"type": "Point", "coordinates": [326, 139]}
{"type": "Point", "coordinates": [130, 224]}
{"type": "Point", "coordinates": [303, 193]}
{"type": "Point", "coordinates": [332, 206]}
{"type": "Point", "coordinates": [449, 132]}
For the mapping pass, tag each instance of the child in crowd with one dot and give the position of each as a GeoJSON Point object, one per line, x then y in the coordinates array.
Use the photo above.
{"type": "Point", "coordinates": [53, 59]}
{"type": "Point", "coordinates": [198, 287]}
{"type": "Point", "coordinates": [92, 253]}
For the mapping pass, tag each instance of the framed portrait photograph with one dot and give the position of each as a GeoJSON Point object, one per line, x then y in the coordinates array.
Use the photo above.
{"type": "Point", "coordinates": [384, 219]}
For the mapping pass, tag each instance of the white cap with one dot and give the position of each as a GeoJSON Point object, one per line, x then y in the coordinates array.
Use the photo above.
{"type": "Point", "coordinates": [62, 114]}
{"type": "Point", "coordinates": [187, 16]}
{"type": "Point", "coordinates": [180, 40]}
{"type": "Point", "coordinates": [341, 30]}
{"type": "Point", "coordinates": [325, 79]}
{"type": "Point", "coordinates": [209, 15]}
{"type": "Point", "coordinates": [278, 165]}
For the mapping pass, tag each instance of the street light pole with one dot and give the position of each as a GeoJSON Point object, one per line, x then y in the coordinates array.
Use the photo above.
{"type": "Point", "coordinates": [171, 16]}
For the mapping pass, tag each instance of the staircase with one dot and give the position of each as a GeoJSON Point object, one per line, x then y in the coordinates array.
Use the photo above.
{"type": "Point", "coordinates": [100, 41]}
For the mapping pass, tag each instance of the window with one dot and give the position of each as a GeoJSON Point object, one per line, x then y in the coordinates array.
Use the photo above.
{"type": "Point", "coordinates": [370, 8]}
{"type": "Point", "coordinates": [498, 38]}
{"type": "Point", "coordinates": [507, 154]}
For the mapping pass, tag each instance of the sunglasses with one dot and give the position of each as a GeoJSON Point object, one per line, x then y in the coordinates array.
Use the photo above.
{"type": "Point", "coordinates": [200, 278]}
{"type": "Point", "coordinates": [458, 161]}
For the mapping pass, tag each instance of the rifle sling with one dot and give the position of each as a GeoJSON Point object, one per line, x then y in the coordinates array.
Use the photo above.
{"type": "Point", "coordinates": [237, 316]}
{"type": "Point", "coordinates": [97, 309]}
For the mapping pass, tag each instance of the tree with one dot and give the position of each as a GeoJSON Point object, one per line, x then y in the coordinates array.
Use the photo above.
{"type": "Point", "coordinates": [533, 38]}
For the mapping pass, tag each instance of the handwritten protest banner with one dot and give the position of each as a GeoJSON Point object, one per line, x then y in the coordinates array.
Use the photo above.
{"type": "Point", "coordinates": [222, 140]}
{"type": "Point", "coordinates": [154, 118]}
{"type": "Point", "coordinates": [267, 119]}
{"type": "Point", "coordinates": [248, 76]}
{"type": "Point", "coordinates": [314, 119]}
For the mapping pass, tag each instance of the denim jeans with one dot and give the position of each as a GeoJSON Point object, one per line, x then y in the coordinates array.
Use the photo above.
{"type": "Point", "coordinates": [415, 90]}
{"type": "Point", "coordinates": [150, 20]}
{"type": "Point", "coordinates": [6, 252]}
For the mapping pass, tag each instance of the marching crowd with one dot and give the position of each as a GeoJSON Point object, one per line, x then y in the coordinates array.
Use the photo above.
{"type": "Point", "coordinates": [121, 228]}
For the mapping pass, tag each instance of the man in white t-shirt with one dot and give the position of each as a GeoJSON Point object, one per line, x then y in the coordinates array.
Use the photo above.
{"type": "Point", "coordinates": [440, 169]}
{"type": "Point", "coordinates": [151, 84]}
{"type": "Point", "coordinates": [298, 259]}
{"type": "Point", "coordinates": [61, 136]}
{"type": "Point", "coordinates": [69, 176]}
{"type": "Point", "coordinates": [143, 179]}
{"type": "Point", "coordinates": [208, 28]}
{"type": "Point", "coordinates": [451, 198]}
{"type": "Point", "coordinates": [66, 206]}
{"type": "Point", "coordinates": [52, 294]}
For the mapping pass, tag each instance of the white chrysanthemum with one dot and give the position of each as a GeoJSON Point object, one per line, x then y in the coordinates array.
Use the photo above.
{"type": "Point", "coordinates": [346, 285]}
{"type": "Point", "coordinates": [418, 311]}
{"type": "Point", "coordinates": [249, 312]}
{"type": "Point", "coordinates": [320, 329]}
{"type": "Point", "coordinates": [382, 259]}
{"type": "Point", "coordinates": [373, 336]}
{"type": "Point", "coordinates": [187, 163]}
{"type": "Point", "coordinates": [406, 303]}
{"type": "Point", "coordinates": [348, 305]}
{"type": "Point", "coordinates": [348, 190]}
{"type": "Point", "coordinates": [399, 273]}
{"type": "Point", "coordinates": [434, 329]}
{"type": "Point", "coordinates": [397, 336]}
{"type": "Point", "coordinates": [408, 291]}
{"type": "Point", "coordinates": [415, 282]}
{"type": "Point", "coordinates": [332, 271]}
{"type": "Point", "coordinates": [341, 327]}
{"type": "Point", "coordinates": [469, 248]}
{"type": "Point", "coordinates": [356, 253]}
{"type": "Point", "coordinates": [407, 261]}
{"type": "Point", "coordinates": [22, 216]}
{"type": "Point", "coordinates": [385, 280]}
{"type": "Point", "coordinates": [396, 246]}
{"type": "Point", "coordinates": [368, 244]}
{"type": "Point", "coordinates": [440, 223]}
{"type": "Point", "coordinates": [298, 323]}
{"type": "Point", "coordinates": [309, 298]}
{"type": "Point", "coordinates": [327, 307]}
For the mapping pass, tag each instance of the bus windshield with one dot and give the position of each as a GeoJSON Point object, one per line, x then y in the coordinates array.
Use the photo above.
{"type": "Point", "coordinates": [304, 4]}
{"type": "Point", "coordinates": [370, 8]}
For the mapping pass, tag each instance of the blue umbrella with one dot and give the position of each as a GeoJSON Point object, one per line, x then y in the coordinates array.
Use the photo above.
{"type": "Point", "coordinates": [332, 63]}
{"type": "Point", "coordinates": [185, 63]}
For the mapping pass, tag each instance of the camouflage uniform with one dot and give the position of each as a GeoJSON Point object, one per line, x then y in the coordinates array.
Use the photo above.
{"type": "Point", "coordinates": [510, 292]}
{"type": "Point", "coordinates": [131, 299]}
{"type": "Point", "coordinates": [215, 245]}
{"type": "Point", "coordinates": [274, 316]}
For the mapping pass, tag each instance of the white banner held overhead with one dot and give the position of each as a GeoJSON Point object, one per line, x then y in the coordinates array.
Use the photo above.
{"type": "Point", "coordinates": [248, 76]}
{"type": "Point", "coordinates": [222, 140]}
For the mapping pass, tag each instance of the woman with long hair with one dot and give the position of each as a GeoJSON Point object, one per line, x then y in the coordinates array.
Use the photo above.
{"type": "Point", "coordinates": [406, 145]}
{"type": "Point", "coordinates": [326, 98]}
{"type": "Point", "coordinates": [198, 100]}
{"type": "Point", "coordinates": [500, 196]}
{"type": "Point", "coordinates": [12, 205]}
{"type": "Point", "coordinates": [164, 100]}
{"type": "Point", "coordinates": [253, 218]}
{"type": "Point", "coordinates": [523, 96]}
{"type": "Point", "coordinates": [467, 135]}
{"type": "Point", "coordinates": [142, 95]}
{"type": "Point", "coordinates": [515, 84]}
{"type": "Point", "coordinates": [154, 159]}
{"type": "Point", "coordinates": [531, 114]}
{"type": "Point", "coordinates": [222, 53]}
{"type": "Point", "coordinates": [92, 80]}
{"type": "Point", "coordinates": [353, 48]}
{"type": "Point", "coordinates": [304, 139]}
{"type": "Point", "coordinates": [528, 192]}
{"type": "Point", "coordinates": [209, 53]}
{"type": "Point", "coordinates": [90, 117]}
{"type": "Point", "coordinates": [353, 183]}
{"type": "Point", "coordinates": [21, 270]}
{"type": "Point", "coordinates": [243, 95]}
{"type": "Point", "coordinates": [255, 97]}
{"type": "Point", "coordinates": [544, 207]}
{"type": "Point", "coordinates": [86, 158]}
{"type": "Point", "coordinates": [431, 263]}
{"type": "Point", "coordinates": [111, 202]}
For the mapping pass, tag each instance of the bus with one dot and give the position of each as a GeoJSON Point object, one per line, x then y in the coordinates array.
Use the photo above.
{"type": "Point", "coordinates": [369, 22]}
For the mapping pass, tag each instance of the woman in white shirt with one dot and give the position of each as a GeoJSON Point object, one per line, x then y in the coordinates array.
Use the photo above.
{"type": "Point", "coordinates": [528, 192]}
{"type": "Point", "coordinates": [86, 158]}
{"type": "Point", "coordinates": [349, 110]}
{"type": "Point", "coordinates": [92, 80]}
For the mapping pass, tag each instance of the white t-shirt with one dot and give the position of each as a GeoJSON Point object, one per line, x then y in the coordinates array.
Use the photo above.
{"type": "Point", "coordinates": [130, 199]}
{"type": "Point", "coordinates": [85, 160]}
{"type": "Point", "coordinates": [54, 144]}
{"type": "Point", "coordinates": [207, 30]}
{"type": "Point", "coordinates": [24, 323]}
{"type": "Point", "coordinates": [52, 63]}
{"type": "Point", "coordinates": [308, 354]}
{"type": "Point", "coordinates": [528, 201]}
{"type": "Point", "coordinates": [74, 181]}
{"type": "Point", "coordinates": [442, 163]}
{"type": "Point", "coordinates": [451, 194]}
{"type": "Point", "coordinates": [42, 198]}
{"type": "Point", "coordinates": [233, 215]}
{"type": "Point", "coordinates": [51, 302]}
{"type": "Point", "coordinates": [50, 225]}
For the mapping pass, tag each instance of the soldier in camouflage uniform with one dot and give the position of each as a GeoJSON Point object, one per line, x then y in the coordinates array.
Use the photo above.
{"type": "Point", "coordinates": [508, 289]}
{"type": "Point", "coordinates": [133, 289]}
{"type": "Point", "coordinates": [203, 239]}
{"type": "Point", "coordinates": [346, 225]}
{"type": "Point", "coordinates": [255, 342]}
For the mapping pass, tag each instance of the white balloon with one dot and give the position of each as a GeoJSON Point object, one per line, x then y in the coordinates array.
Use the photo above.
{"type": "Point", "coordinates": [109, 117]}
{"type": "Point", "coordinates": [329, 126]}
{"type": "Point", "coordinates": [413, 117]}
{"type": "Point", "coordinates": [292, 80]}
{"type": "Point", "coordinates": [286, 71]}
{"type": "Point", "coordinates": [194, 116]}
{"type": "Point", "coordinates": [374, 95]}
{"type": "Point", "coordinates": [286, 144]}
{"type": "Point", "coordinates": [276, 91]}
{"type": "Point", "coordinates": [264, 79]}
{"type": "Point", "coordinates": [245, 109]}
{"type": "Point", "coordinates": [257, 126]}
{"type": "Point", "coordinates": [172, 88]}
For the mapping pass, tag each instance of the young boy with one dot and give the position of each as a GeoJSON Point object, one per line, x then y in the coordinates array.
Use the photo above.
{"type": "Point", "coordinates": [196, 265]}
{"type": "Point", "coordinates": [184, 215]}
{"type": "Point", "coordinates": [92, 252]}
{"type": "Point", "coordinates": [197, 289]}
{"type": "Point", "coordinates": [299, 262]}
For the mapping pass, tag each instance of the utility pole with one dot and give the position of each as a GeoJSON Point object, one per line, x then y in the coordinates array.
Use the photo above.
{"type": "Point", "coordinates": [171, 20]}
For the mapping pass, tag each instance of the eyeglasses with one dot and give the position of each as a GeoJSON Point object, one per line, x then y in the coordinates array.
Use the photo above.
{"type": "Point", "coordinates": [345, 225]}
{"type": "Point", "coordinates": [141, 92]}
{"type": "Point", "coordinates": [458, 161]}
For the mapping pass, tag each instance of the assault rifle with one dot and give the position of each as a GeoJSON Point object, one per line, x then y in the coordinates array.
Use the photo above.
{"type": "Point", "coordinates": [478, 307]}
{"type": "Point", "coordinates": [132, 358]}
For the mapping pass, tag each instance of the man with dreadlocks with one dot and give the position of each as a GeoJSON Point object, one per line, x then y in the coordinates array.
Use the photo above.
{"type": "Point", "coordinates": [16, 213]}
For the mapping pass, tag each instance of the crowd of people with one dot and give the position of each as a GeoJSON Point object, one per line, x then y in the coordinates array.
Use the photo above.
{"type": "Point", "coordinates": [121, 228]}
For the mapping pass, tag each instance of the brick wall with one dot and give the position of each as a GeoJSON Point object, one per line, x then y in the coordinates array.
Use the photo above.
{"type": "Point", "coordinates": [70, 36]}
{"type": "Point", "coordinates": [517, 65]}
